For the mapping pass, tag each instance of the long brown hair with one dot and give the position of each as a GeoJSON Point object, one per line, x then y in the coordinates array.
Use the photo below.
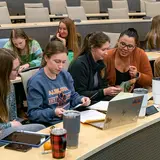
{"type": "Point", "coordinates": [19, 33]}
{"type": "Point", "coordinates": [154, 31]}
{"type": "Point", "coordinates": [73, 36]}
{"type": "Point", "coordinates": [6, 60]}
{"type": "Point", "coordinates": [53, 47]}
{"type": "Point", "coordinates": [93, 40]}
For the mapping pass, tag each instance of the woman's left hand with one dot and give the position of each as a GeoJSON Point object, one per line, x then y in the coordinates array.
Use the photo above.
{"type": "Point", "coordinates": [133, 71]}
{"type": "Point", "coordinates": [21, 68]}
{"type": "Point", "coordinates": [85, 101]}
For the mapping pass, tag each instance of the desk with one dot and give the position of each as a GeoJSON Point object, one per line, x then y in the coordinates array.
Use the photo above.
{"type": "Point", "coordinates": [152, 56]}
{"type": "Point", "coordinates": [42, 31]}
{"type": "Point", "coordinates": [91, 15]}
{"type": "Point", "coordinates": [137, 141]}
{"type": "Point", "coordinates": [17, 80]}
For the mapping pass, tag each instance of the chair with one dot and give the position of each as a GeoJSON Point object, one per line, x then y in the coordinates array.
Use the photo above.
{"type": "Point", "coordinates": [3, 41]}
{"type": "Point", "coordinates": [113, 38]}
{"type": "Point", "coordinates": [33, 5]}
{"type": "Point", "coordinates": [91, 6]}
{"type": "Point", "coordinates": [26, 76]}
{"type": "Point", "coordinates": [120, 4]}
{"type": "Point", "coordinates": [142, 4]}
{"type": "Point", "coordinates": [152, 8]}
{"type": "Point", "coordinates": [118, 13]}
{"type": "Point", "coordinates": [58, 6]}
{"type": "Point", "coordinates": [3, 4]}
{"type": "Point", "coordinates": [4, 18]}
{"type": "Point", "coordinates": [37, 15]}
{"type": "Point", "coordinates": [76, 13]}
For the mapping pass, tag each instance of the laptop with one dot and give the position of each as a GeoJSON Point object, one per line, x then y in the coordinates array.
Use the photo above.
{"type": "Point", "coordinates": [121, 112]}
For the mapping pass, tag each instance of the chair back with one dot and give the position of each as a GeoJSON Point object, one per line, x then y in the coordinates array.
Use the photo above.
{"type": "Point", "coordinates": [3, 41]}
{"type": "Point", "coordinates": [37, 15]}
{"type": "Point", "coordinates": [26, 76]}
{"type": "Point", "coordinates": [76, 13]}
{"type": "Point", "coordinates": [118, 13]}
{"type": "Point", "coordinates": [58, 6]}
{"type": "Point", "coordinates": [152, 9]}
{"type": "Point", "coordinates": [113, 38]}
{"type": "Point", "coordinates": [33, 5]}
{"type": "Point", "coordinates": [4, 18]}
{"type": "Point", "coordinates": [91, 6]}
{"type": "Point", "coordinates": [142, 4]}
{"type": "Point", "coordinates": [120, 4]}
{"type": "Point", "coordinates": [3, 4]}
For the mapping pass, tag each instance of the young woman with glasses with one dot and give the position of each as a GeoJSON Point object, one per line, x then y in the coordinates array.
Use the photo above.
{"type": "Point", "coordinates": [50, 90]}
{"type": "Point", "coordinates": [127, 61]}
{"type": "Point", "coordinates": [9, 121]}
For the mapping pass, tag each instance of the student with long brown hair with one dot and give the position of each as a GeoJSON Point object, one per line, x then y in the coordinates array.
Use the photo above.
{"type": "Point", "coordinates": [68, 35]}
{"type": "Point", "coordinates": [28, 49]}
{"type": "Point", "coordinates": [50, 90]}
{"type": "Point", "coordinates": [8, 112]}
{"type": "Point", "coordinates": [153, 36]}
{"type": "Point", "coordinates": [88, 69]}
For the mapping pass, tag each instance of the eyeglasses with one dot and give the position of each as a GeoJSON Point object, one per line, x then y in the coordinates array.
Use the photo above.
{"type": "Point", "coordinates": [16, 69]}
{"type": "Point", "coordinates": [129, 46]}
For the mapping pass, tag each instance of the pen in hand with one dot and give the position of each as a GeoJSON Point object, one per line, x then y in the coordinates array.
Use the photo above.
{"type": "Point", "coordinates": [93, 95]}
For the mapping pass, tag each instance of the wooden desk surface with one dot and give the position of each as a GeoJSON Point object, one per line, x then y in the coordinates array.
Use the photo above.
{"type": "Point", "coordinates": [84, 22]}
{"type": "Point", "coordinates": [91, 140]}
{"type": "Point", "coordinates": [91, 15]}
{"type": "Point", "coordinates": [153, 55]}
{"type": "Point", "coordinates": [17, 80]}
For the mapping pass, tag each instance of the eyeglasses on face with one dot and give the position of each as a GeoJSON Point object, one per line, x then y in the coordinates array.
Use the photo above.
{"type": "Point", "coordinates": [16, 69]}
{"type": "Point", "coordinates": [129, 46]}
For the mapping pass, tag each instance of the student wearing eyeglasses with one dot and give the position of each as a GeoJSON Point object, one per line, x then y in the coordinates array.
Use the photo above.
{"type": "Point", "coordinates": [127, 61]}
{"type": "Point", "coordinates": [9, 121]}
{"type": "Point", "coordinates": [50, 90]}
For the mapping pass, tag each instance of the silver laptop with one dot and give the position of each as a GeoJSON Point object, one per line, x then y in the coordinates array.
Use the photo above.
{"type": "Point", "coordinates": [121, 112]}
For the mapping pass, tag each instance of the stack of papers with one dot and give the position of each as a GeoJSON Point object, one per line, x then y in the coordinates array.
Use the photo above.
{"type": "Point", "coordinates": [92, 116]}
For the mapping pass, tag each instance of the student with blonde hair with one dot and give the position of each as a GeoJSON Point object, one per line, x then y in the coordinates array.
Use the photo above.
{"type": "Point", "coordinates": [153, 36]}
{"type": "Point", "coordinates": [27, 49]}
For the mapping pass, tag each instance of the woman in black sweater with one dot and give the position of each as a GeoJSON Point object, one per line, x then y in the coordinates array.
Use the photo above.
{"type": "Point", "coordinates": [88, 69]}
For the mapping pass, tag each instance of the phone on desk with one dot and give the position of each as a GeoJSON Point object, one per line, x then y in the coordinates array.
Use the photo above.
{"type": "Point", "coordinates": [18, 147]}
{"type": "Point", "coordinates": [151, 110]}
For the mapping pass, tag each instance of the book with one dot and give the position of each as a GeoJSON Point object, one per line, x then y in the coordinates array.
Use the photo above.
{"type": "Point", "coordinates": [91, 116]}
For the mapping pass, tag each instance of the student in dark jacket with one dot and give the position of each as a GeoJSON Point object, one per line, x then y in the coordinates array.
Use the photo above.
{"type": "Point", "coordinates": [88, 69]}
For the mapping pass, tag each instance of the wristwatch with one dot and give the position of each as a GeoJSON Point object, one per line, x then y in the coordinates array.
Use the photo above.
{"type": "Point", "coordinates": [137, 75]}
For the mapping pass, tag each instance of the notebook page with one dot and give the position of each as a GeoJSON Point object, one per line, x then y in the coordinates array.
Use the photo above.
{"type": "Point", "coordinates": [91, 116]}
{"type": "Point", "coordinates": [101, 106]}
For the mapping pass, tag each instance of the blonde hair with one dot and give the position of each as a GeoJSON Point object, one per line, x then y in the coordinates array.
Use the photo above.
{"type": "Point", "coordinates": [154, 33]}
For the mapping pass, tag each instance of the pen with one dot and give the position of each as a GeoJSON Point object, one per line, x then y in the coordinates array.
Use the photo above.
{"type": "Point", "coordinates": [93, 95]}
{"type": "Point", "coordinates": [77, 106]}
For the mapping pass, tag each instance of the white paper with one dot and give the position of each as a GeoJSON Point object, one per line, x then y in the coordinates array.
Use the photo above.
{"type": "Point", "coordinates": [91, 116]}
{"type": "Point", "coordinates": [101, 106]}
{"type": "Point", "coordinates": [122, 95]}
